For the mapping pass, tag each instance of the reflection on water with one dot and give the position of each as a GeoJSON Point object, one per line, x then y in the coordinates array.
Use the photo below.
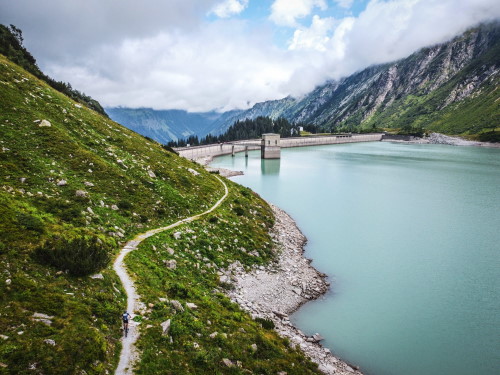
{"type": "Point", "coordinates": [270, 166]}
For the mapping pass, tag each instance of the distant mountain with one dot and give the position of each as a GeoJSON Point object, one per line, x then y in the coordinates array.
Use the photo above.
{"type": "Point", "coordinates": [450, 88]}
{"type": "Point", "coordinates": [169, 125]}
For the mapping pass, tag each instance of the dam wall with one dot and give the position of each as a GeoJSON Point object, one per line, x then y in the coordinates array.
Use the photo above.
{"type": "Point", "coordinates": [197, 152]}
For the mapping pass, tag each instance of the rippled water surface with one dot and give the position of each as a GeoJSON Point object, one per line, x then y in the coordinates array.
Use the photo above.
{"type": "Point", "coordinates": [410, 238]}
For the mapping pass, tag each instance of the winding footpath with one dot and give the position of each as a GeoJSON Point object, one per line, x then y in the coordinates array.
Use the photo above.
{"type": "Point", "coordinates": [129, 354]}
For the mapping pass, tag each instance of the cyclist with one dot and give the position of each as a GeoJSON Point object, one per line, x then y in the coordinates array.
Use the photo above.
{"type": "Point", "coordinates": [125, 317]}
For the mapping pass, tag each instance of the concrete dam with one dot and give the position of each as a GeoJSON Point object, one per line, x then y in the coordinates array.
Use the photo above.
{"type": "Point", "coordinates": [271, 144]}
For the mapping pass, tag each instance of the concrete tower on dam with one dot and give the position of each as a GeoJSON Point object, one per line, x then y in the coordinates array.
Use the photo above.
{"type": "Point", "coordinates": [270, 146]}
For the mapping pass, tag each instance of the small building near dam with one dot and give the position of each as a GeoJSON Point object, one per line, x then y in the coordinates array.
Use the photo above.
{"type": "Point", "coordinates": [270, 146]}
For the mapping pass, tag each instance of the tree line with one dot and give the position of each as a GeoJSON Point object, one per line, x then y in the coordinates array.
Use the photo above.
{"type": "Point", "coordinates": [11, 46]}
{"type": "Point", "coordinates": [244, 129]}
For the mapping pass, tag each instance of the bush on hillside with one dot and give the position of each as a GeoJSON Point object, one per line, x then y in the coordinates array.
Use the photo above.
{"type": "Point", "coordinates": [82, 255]}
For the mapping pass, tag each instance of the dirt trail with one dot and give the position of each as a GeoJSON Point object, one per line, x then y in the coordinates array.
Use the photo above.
{"type": "Point", "coordinates": [129, 354]}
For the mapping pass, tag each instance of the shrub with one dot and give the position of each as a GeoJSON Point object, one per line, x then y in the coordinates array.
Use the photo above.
{"type": "Point", "coordinates": [265, 323]}
{"type": "Point", "coordinates": [239, 211]}
{"type": "Point", "coordinates": [83, 255]}
{"type": "Point", "coordinates": [30, 222]}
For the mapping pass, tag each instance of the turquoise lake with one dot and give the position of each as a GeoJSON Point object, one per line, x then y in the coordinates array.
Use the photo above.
{"type": "Point", "coordinates": [409, 236]}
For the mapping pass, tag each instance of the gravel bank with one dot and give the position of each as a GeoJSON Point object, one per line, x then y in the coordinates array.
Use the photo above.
{"type": "Point", "coordinates": [276, 291]}
{"type": "Point", "coordinates": [205, 161]}
{"type": "Point", "coordinates": [441, 139]}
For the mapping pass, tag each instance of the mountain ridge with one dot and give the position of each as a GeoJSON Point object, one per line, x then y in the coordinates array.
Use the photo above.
{"type": "Point", "coordinates": [450, 88]}
{"type": "Point", "coordinates": [437, 78]}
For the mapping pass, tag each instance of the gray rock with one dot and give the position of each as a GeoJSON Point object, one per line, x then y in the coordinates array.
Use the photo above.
{"type": "Point", "coordinates": [177, 235]}
{"type": "Point", "coordinates": [45, 123]}
{"type": "Point", "coordinates": [327, 368]}
{"type": "Point", "coordinates": [253, 347]}
{"type": "Point", "coordinates": [89, 184]}
{"type": "Point", "coordinates": [177, 305]}
{"type": "Point", "coordinates": [317, 337]}
{"type": "Point", "coordinates": [170, 251]}
{"type": "Point", "coordinates": [114, 207]}
{"type": "Point", "coordinates": [97, 276]}
{"type": "Point", "coordinates": [191, 306]}
{"type": "Point", "coordinates": [81, 193]}
{"type": "Point", "coordinates": [227, 362]}
{"type": "Point", "coordinates": [151, 173]}
{"type": "Point", "coordinates": [213, 335]}
{"type": "Point", "coordinates": [166, 327]}
{"type": "Point", "coordinates": [50, 342]}
{"type": "Point", "coordinates": [172, 264]}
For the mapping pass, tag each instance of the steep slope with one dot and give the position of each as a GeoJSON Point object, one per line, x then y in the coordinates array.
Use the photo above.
{"type": "Point", "coordinates": [451, 87]}
{"type": "Point", "coordinates": [74, 184]}
{"type": "Point", "coordinates": [11, 45]}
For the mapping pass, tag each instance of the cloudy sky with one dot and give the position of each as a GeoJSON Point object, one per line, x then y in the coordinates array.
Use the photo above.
{"type": "Point", "coordinates": [201, 55]}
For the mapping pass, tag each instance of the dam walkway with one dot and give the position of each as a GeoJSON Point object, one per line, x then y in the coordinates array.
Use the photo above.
{"type": "Point", "coordinates": [230, 148]}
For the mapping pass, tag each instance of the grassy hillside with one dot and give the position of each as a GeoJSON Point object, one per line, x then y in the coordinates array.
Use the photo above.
{"type": "Point", "coordinates": [68, 173]}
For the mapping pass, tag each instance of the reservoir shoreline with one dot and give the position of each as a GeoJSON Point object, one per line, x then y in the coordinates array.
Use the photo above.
{"type": "Point", "coordinates": [279, 289]}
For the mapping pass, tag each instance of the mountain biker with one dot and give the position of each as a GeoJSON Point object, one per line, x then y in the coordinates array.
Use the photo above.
{"type": "Point", "coordinates": [125, 317]}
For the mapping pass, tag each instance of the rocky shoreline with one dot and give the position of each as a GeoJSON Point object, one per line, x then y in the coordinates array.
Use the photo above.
{"type": "Point", "coordinates": [441, 139]}
{"type": "Point", "coordinates": [206, 160]}
{"type": "Point", "coordinates": [275, 291]}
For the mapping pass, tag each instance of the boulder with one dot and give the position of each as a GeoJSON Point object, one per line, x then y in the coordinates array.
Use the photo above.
{"type": "Point", "coordinates": [177, 305]}
{"type": "Point", "coordinates": [166, 327]}
{"type": "Point", "coordinates": [172, 264]}
{"type": "Point", "coordinates": [191, 306]}
{"type": "Point", "coordinates": [81, 193]}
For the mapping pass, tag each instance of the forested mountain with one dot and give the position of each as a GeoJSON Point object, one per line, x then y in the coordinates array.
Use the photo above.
{"type": "Point", "coordinates": [245, 129]}
{"type": "Point", "coordinates": [165, 126]}
{"type": "Point", "coordinates": [450, 88]}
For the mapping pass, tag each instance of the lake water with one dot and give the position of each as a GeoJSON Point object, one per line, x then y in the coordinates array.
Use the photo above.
{"type": "Point", "coordinates": [410, 238]}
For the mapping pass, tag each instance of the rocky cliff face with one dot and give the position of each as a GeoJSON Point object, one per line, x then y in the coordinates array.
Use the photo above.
{"type": "Point", "coordinates": [446, 87]}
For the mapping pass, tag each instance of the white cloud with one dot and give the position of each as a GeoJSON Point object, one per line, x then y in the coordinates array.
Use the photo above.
{"type": "Point", "coordinates": [315, 37]}
{"type": "Point", "coordinates": [165, 54]}
{"type": "Point", "coordinates": [286, 12]}
{"type": "Point", "coordinates": [344, 3]}
{"type": "Point", "coordinates": [218, 66]}
{"type": "Point", "coordinates": [228, 8]}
